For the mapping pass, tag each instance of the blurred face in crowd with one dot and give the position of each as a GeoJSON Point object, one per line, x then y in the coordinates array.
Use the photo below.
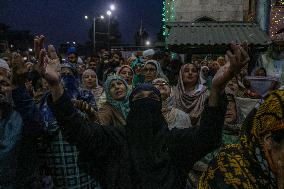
{"type": "Point", "coordinates": [233, 85]}
{"type": "Point", "coordinates": [260, 72]}
{"type": "Point", "coordinates": [93, 63]}
{"type": "Point", "coordinates": [127, 74]}
{"type": "Point", "coordinates": [215, 66]}
{"type": "Point", "coordinates": [118, 90]}
{"type": "Point", "coordinates": [138, 69]}
{"type": "Point", "coordinates": [90, 80]}
{"type": "Point", "coordinates": [44, 84]}
{"type": "Point", "coordinates": [221, 61]}
{"type": "Point", "coordinates": [164, 89]}
{"type": "Point", "coordinates": [66, 72]}
{"type": "Point", "coordinates": [231, 114]}
{"type": "Point", "coordinates": [190, 75]}
{"type": "Point", "coordinates": [105, 57]}
{"type": "Point", "coordinates": [116, 58]}
{"type": "Point", "coordinates": [5, 92]}
{"type": "Point", "coordinates": [29, 66]}
{"type": "Point", "coordinates": [72, 58]}
{"type": "Point", "coordinates": [4, 72]}
{"type": "Point", "coordinates": [81, 68]}
{"type": "Point", "coordinates": [150, 72]}
{"type": "Point", "coordinates": [205, 71]}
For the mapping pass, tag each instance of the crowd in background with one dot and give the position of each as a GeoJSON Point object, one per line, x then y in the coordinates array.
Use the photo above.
{"type": "Point", "coordinates": [35, 151]}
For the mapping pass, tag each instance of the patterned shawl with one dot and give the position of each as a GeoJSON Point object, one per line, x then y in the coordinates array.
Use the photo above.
{"type": "Point", "coordinates": [245, 165]}
{"type": "Point", "coordinates": [190, 102]}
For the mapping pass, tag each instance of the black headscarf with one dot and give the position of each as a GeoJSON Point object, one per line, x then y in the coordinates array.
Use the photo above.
{"type": "Point", "coordinates": [145, 133]}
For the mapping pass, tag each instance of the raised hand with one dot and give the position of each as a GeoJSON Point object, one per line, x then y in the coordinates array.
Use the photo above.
{"type": "Point", "coordinates": [234, 63]}
{"type": "Point", "coordinates": [87, 108]}
{"type": "Point", "coordinates": [47, 67]}
{"type": "Point", "coordinates": [19, 70]}
{"type": "Point", "coordinates": [38, 45]}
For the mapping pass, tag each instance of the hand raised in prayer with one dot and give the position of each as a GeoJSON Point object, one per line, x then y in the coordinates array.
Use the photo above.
{"type": "Point", "coordinates": [87, 108]}
{"type": "Point", "coordinates": [38, 45]}
{"type": "Point", "coordinates": [235, 61]}
{"type": "Point", "coordinates": [19, 70]}
{"type": "Point", "coordinates": [47, 67]}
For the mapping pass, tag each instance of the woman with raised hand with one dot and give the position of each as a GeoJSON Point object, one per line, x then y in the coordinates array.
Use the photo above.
{"type": "Point", "coordinates": [144, 153]}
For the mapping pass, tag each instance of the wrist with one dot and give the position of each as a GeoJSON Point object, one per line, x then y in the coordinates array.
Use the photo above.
{"type": "Point", "coordinates": [56, 92]}
{"type": "Point", "coordinates": [214, 97]}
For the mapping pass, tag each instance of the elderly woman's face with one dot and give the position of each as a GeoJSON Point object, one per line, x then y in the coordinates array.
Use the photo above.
{"type": "Point", "coordinates": [118, 90]}
{"type": "Point", "coordinates": [164, 89]}
{"type": "Point", "coordinates": [150, 72]}
{"type": "Point", "coordinates": [89, 80]}
{"type": "Point", "coordinates": [190, 74]}
{"type": "Point", "coordinates": [127, 74]}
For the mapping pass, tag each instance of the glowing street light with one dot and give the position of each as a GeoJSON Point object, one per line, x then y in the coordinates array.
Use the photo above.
{"type": "Point", "coordinates": [108, 12]}
{"type": "Point", "coordinates": [148, 43]}
{"type": "Point", "coordinates": [86, 17]}
{"type": "Point", "coordinates": [112, 7]}
{"type": "Point", "coordinates": [102, 17]}
{"type": "Point", "coordinates": [30, 50]}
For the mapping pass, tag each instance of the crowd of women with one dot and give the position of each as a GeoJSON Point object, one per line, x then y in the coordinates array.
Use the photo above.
{"type": "Point", "coordinates": [145, 121]}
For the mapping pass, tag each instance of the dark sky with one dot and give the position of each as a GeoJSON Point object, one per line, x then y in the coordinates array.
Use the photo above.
{"type": "Point", "coordinates": [63, 20]}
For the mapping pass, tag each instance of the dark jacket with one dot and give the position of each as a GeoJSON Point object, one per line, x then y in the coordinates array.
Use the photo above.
{"type": "Point", "coordinates": [19, 135]}
{"type": "Point", "coordinates": [108, 147]}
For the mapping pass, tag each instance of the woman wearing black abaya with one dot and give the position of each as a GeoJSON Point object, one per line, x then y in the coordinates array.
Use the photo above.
{"type": "Point", "coordinates": [145, 154]}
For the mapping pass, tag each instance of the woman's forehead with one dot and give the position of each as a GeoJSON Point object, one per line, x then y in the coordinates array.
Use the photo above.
{"type": "Point", "coordinates": [125, 68]}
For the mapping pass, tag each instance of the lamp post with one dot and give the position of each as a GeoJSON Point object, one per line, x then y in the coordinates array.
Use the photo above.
{"type": "Point", "coordinates": [108, 28]}
{"type": "Point", "coordinates": [94, 26]}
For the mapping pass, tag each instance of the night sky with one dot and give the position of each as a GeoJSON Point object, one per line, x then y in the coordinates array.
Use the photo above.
{"type": "Point", "coordinates": [63, 20]}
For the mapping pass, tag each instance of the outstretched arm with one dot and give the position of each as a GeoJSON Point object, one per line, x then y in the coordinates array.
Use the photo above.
{"type": "Point", "coordinates": [93, 139]}
{"type": "Point", "coordinates": [190, 145]}
{"type": "Point", "coordinates": [23, 102]}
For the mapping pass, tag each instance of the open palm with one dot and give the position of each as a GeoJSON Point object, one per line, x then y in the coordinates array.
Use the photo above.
{"type": "Point", "coordinates": [234, 63]}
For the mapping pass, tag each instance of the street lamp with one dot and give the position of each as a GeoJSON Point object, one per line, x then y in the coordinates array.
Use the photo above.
{"type": "Point", "coordinates": [108, 28]}
{"type": "Point", "coordinates": [86, 17]}
{"type": "Point", "coordinates": [108, 12]}
{"type": "Point", "coordinates": [112, 7]}
{"type": "Point", "coordinates": [148, 43]}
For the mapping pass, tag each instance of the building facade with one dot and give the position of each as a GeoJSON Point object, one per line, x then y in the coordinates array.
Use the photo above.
{"type": "Point", "coordinates": [209, 10]}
